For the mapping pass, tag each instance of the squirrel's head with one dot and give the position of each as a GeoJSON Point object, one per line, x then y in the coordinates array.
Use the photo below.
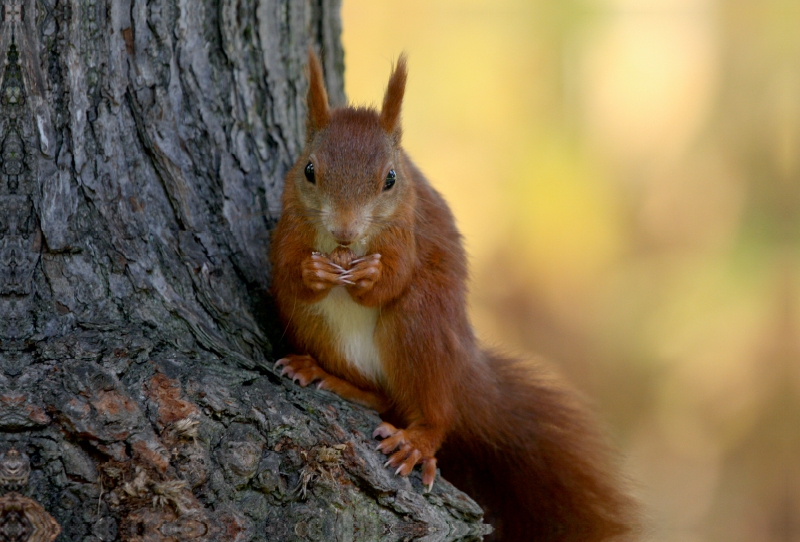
{"type": "Point", "coordinates": [350, 179]}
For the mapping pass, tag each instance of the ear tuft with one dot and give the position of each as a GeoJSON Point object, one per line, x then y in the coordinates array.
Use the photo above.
{"type": "Point", "coordinates": [319, 114]}
{"type": "Point", "coordinates": [393, 100]}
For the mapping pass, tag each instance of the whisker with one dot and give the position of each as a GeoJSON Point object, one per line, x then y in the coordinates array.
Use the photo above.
{"type": "Point", "coordinates": [289, 322]}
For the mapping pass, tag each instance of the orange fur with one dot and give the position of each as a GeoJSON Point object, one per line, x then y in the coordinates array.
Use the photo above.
{"type": "Point", "coordinates": [393, 99]}
{"type": "Point", "coordinates": [504, 431]}
{"type": "Point", "coordinates": [317, 99]}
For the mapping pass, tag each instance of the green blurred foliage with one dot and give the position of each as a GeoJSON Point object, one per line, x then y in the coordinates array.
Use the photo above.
{"type": "Point", "coordinates": [627, 177]}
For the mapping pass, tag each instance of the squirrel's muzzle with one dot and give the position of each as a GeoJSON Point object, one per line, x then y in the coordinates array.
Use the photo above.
{"type": "Point", "coordinates": [345, 236]}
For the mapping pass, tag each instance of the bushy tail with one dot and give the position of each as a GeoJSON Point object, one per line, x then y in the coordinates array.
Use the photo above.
{"type": "Point", "coordinates": [531, 456]}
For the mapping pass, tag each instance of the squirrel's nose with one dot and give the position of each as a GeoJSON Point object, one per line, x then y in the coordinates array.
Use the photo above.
{"type": "Point", "coordinates": [344, 237]}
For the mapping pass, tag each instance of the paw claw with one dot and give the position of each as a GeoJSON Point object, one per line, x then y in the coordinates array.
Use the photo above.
{"type": "Point", "coordinates": [384, 430]}
{"type": "Point", "coordinates": [428, 472]}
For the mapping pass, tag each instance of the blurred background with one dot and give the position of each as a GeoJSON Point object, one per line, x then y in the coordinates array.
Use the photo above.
{"type": "Point", "coordinates": [627, 177]}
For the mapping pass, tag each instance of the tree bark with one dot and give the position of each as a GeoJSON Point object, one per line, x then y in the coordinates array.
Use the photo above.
{"type": "Point", "coordinates": [143, 145]}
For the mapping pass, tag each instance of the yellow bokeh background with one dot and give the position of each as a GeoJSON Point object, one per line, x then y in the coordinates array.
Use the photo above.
{"type": "Point", "coordinates": [626, 174]}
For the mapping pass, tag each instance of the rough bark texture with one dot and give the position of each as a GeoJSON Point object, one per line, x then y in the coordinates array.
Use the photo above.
{"type": "Point", "coordinates": [142, 148]}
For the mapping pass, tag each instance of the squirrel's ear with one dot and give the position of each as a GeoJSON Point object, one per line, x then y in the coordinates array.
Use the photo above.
{"type": "Point", "coordinates": [319, 114]}
{"type": "Point", "coordinates": [393, 100]}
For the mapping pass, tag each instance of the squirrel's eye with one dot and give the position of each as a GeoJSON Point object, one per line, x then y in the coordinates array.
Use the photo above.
{"type": "Point", "coordinates": [309, 171]}
{"type": "Point", "coordinates": [390, 179]}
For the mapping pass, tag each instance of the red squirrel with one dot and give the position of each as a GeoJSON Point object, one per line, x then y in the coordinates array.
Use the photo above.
{"type": "Point", "coordinates": [370, 281]}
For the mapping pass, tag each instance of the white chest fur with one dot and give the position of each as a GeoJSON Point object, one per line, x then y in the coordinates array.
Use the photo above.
{"type": "Point", "coordinates": [353, 325]}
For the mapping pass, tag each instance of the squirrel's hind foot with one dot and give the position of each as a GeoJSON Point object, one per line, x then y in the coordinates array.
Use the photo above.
{"type": "Point", "coordinates": [405, 453]}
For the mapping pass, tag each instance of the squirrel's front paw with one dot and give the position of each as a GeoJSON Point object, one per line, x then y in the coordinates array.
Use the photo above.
{"type": "Point", "coordinates": [364, 273]}
{"type": "Point", "coordinates": [405, 453]}
{"type": "Point", "coordinates": [320, 274]}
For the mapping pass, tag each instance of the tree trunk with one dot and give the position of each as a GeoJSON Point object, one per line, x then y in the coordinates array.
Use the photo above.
{"type": "Point", "coordinates": [142, 149]}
